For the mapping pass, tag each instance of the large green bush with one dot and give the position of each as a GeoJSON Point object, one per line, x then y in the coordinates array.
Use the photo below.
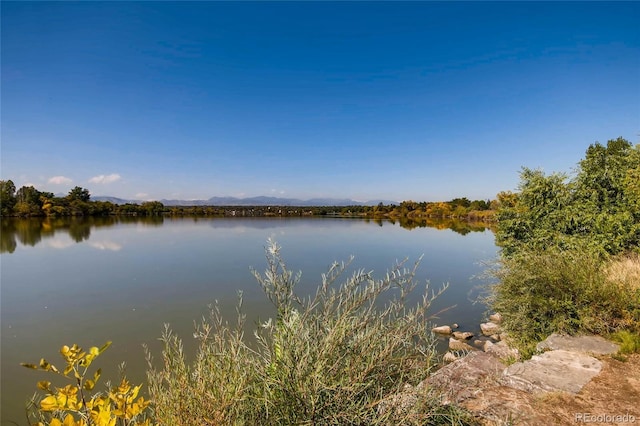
{"type": "Point", "coordinates": [598, 210]}
{"type": "Point", "coordinates": [557, 236]}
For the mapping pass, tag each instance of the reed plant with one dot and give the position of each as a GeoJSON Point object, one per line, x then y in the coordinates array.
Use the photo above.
{"type": "Point", "coordinates": [339, 357]}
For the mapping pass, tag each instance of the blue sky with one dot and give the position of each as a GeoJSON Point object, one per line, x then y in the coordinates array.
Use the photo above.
{"type": "Point", "coordinates": [365, 100]}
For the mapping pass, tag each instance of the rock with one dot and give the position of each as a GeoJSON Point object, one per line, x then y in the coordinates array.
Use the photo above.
{"type": "Point", "coordinates": [495, 337]}
{"type": "Point", "coordinates": [463, 335]}
{"type": "Point", "coordinates": [502, 351]}
{"type": "Point", "coordinates": [449, 357]}
{"type": "Point", "coordinates": [462, 379]}
{"type": "Point", "coordinates": [489, 328]}
{"type": "Point", "coordinates": [454, 325]}
{"type": "Point", "coordinates": [457, 345]}
{"type": "Point", "coordinates": [552, 371]}
{"type": "Point", "coordinates": [584, 344]}
{"type": "Point", "coordinates": [479, 343]}
{"type": "Point", "coordinates": [495, 318]}
{"type": "Point", "coordinates": [485, 345]}
{"type": "Point", "coordinates": [443, 329]}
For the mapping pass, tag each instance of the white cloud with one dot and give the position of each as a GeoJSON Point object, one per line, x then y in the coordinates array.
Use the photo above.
{"type": "Point", "coordinates": [105, 178]}
{"type": "Point", "coordinates": [142, 195]}
{"type": "Point", "coordinates": [60, 180]}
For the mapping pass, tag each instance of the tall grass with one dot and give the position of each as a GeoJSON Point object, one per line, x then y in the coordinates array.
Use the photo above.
{"type": "Point", "coordinates": [564, 291]}
{"type": "Point", "coordinates": [339, 357]}
{"type": "Point", "coordinates": [624, 270]}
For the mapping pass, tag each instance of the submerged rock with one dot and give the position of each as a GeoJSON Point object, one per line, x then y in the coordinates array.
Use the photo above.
{"type": "Point", "coordinates": [443, 329]}
{"type": "Point", "coordinates": [457, 345]}
{"type": "Point", "coordinates": [463, 335]}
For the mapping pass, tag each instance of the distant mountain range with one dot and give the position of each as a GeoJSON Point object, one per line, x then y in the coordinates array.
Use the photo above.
{"type": "Point", "coordinates": [255, 201]}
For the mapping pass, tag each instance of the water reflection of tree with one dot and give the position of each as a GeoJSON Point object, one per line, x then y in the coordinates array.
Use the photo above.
{"type": "Point", "coordinates": [79, 230]}
{"type": "Point", "coordinates": [141, 220]}
{"type": "Point", "coordinates": [29, 231]}
{"type": "Point", "coordinates": [32, 231]}
{"type": "Point", "coordinates": [461, 227]}
{"type": "Point", "coordinates": [7, 236]}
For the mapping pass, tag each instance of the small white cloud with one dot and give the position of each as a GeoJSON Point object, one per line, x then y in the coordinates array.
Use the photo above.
{"type": "Point", "coordinates": [142, 195]}
{"type": "Point", "coordinates": [60, 180]}
{"type": "Point", "coordinates": [105, 178]}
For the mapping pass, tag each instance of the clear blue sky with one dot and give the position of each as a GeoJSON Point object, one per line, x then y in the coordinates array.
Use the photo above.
{"type": "Point", "coordinates": [366, 100]}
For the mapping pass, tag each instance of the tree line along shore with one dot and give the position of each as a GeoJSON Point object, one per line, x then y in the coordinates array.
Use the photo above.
{"type": "Point", "coordinates": [28, 201]}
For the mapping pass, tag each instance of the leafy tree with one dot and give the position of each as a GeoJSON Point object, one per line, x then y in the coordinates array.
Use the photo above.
{"type": "Point", "coordinates": [152, 208]}
{"type": "Point", "coordinates": [28, 202]}
{"type": "Point", "coordinates": [464, 202]}
{"type": "Point", "coordinates": [479, 205]}
{"type": "Point", "coordinates": [597, 210]}
{"type": "Point", "coordinates": [7, 197]}
{"type": "Point", "coordinates": [602, 173]}
{"type": "Point", "coordinates": [79, 194]}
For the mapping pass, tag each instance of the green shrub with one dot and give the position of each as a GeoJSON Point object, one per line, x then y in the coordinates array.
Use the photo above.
{"type": "Point", "coordinates": [561, 291]}
{"type": "Point", "coordinates": [629, 341]}
{"type": "Point", "coordinates": [335, 358]}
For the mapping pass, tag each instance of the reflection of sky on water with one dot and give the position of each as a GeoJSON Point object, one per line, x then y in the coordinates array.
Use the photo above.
{"type": "Point", "coordinates": [62, 242]}
{"type": "Point", "coordinates": [105, 245]}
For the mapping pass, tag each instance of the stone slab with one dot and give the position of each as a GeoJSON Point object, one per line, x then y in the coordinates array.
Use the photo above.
{"type": "Point", "coordinates": [557, 370]}
{"type": "Point", "coordinates": [462, 378]}
{"type": "Point", "coordinates": [595, 345]}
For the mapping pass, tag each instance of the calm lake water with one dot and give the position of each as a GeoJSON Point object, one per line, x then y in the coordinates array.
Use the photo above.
{"type": "Point", "coordinates": [89, 281]}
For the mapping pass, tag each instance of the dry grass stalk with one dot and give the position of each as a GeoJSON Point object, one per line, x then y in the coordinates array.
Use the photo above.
{"type": "Point", "coordinates": [625, 271]}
